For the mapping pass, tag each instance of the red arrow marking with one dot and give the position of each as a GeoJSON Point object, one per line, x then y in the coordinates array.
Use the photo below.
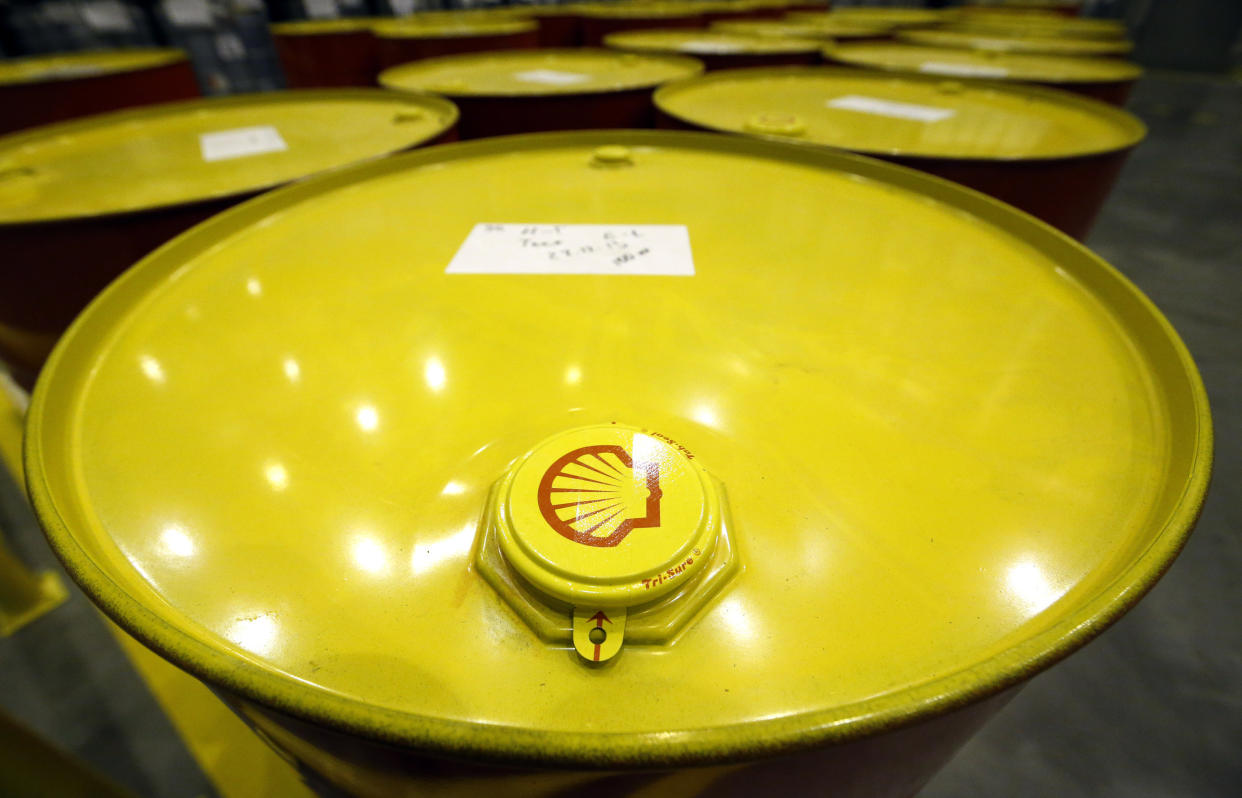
{"type": "Point", "coordinates": [599, 619]}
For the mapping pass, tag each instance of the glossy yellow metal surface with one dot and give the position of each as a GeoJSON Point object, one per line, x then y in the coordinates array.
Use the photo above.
{"type": "Point", "coordinates": [871, 17]}
{"type": "Point", "coordinates": [68, 66]}
{"type": "Point", "coordinates": [643, 10]}
{"type": "Point", "coordinates": [33, 766]}
{"type": "Point", "coordinates": [418, 27]}
{"type": "Point", "coordinates": [692, 42]}
{"type": "Point", "coordinates": [238, 763]}
{"type": "Point", "coordinates": [538, 72]}
{"type": "Point", "coordinates": [266, 449]}
{"type": "Point", "coordinates": [1063, 29]}
{"type": "Point", "coordinates": [1015, 9]}
{"type": "Point", "coordinates": [158, 156]}
{"type": "Point", "coordinates": [1031, 67]}
{"type": "Point", "coordinates": [13, 403]}
{"type": "Point", "coordinates": [1038, 24]}
{"type": "Point", "coordinates": [25, 595]}
{"type": "Point", "coordinates": [568, 541]}
{"type": "Point", "coordinates": [317, 27]}
{"type": "Point", "coordinates": [800, 30]}
{"type": "Point", "coordinates": [1048, 45]}
{"type": "Point", "coordinates": [873, 112]}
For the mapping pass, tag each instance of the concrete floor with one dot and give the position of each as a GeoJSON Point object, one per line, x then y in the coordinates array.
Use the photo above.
{"type": "Point", "coordinates": [1151, 708]}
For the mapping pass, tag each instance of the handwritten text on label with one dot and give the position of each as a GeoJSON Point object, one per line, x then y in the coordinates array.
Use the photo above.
{"type": "Point", "coordinates": [625, 249]}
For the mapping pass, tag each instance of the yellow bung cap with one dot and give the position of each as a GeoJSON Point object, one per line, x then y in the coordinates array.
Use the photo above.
{"type": "Point", "coordinates": [607, 515]}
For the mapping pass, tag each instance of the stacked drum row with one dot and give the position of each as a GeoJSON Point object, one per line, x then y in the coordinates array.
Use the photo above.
{"type": "Point", "coordinates": [768, 446]}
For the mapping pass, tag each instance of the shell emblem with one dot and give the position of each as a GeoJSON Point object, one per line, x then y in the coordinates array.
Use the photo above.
{"type": "Point", "coordinates": [595, 496]}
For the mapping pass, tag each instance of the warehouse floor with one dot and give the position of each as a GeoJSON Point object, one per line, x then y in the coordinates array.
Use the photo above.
{"type": "Point", "coordinates": [1151, 708]}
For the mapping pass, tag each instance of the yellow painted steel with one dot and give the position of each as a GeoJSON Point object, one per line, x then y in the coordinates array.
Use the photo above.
{"type": "Point", "coordinates": [580, 561]}
{"type": "Point", "coordinates": [31, 766]}
{"type": "Point", "coordinates": [1017, 8]}
{"type": "Point", "coordinates": [238, 763]}
{"type": "Point", "coordinates": [871, 17]}
{"type": "Point", "coordinates": [538, 72]}
{"type": "Point", "coordinates": [644, 10]}
{"type": "Point", "coordinates": [40, 68]}
{"type": "Point", "coordinates": [984, 63]}
{"type": "Point", "coordinates": [468, 14]}
{"type": "Point", "coordinates": [1048, 45]}
{"type": "Point", "coordinates": [417, 27]}
{"type": "Point", "coordinates": [1030, 19]}
{"type": "Point", "coordinates": [598, 636]}
{"type": "Point", "coordinates": [318, 27]}
{"type": "Point", "coordinates": [155, 157]}
{"type": "Point", "coordinates": [790, 29]}
{"type": "Point", "coordinates": [873, 112]}
{"type": "Point", "coordinates": [13, 402]}
{"type": "Point", "coordinates": [1057, 26]}
{"type": "Point", "coordinates": [955, 443]}
{"type": "Point", "coordinates": [25, 596]}
{"type": "Point", "coordinates": [702, 42]}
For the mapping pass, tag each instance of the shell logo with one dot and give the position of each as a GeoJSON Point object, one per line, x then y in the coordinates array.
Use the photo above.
{"type": "Point", "coordinates": [595, 496]}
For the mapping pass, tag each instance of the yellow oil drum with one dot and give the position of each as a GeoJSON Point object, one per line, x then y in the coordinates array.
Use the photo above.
{"type": "Point", "coordinates": [879, 17]}
{"type": "Point", "coordinates": [1021, 8]}
{"type": "Point", "coordinates": [1104, 79]}
{"type": "Point", "coordinates": [1053, 154]}
{"type": "Point", "coordinates": [80, 201]}
{"type": "Point", "coordinates": [525, 91]}
{"type": "Point", "coordinates": [1042, 45]}
{"type": "Point", "coordinates": [1055, 26]}
{"type": "Point", "coordinates": [613, 484]}
{"type": "Point", "coordinates": [599, 20]}
{"type": "Point", "coordinates": [415, 38]}
{"type": "Point", "coordinates": [788, 29]}
{"type": "Point", "coordinates": [737, 9]}
{"type": "Point", "coordinates": [39, 90]}
{"type": "Point", "coordinates": [794, 6]}
{"type": "Point", "coordinates": [326, 53]}
{"type": "Point", "coordinates": [718, 50]}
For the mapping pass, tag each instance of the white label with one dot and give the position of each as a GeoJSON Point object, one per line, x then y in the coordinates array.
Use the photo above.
{"type": "Point", "coordinates": [873, 105]}
{"type": "Point", "coordinates": [321, 9]}
{"type": "Point", "coordinates": [551, 76]}
{"type": "Point", "coordinates": [240, 143]}
{"type": "Point", "coordinates": [402, 8]}
{"type": "Point", "coordinates": [188, 13]}
{"type": "Point", "coordinates": [660, 249]}
{"type": "Point", "coordinates": [964, 70]}
{"type": "Point", "coordinates": [108, 15]}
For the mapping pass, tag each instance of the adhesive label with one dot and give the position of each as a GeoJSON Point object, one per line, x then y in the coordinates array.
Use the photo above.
{"type": "Point", "coordinates": [628, 249]}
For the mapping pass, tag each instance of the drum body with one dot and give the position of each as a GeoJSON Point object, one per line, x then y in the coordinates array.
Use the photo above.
{"type": "Point", "coordinates": [45, 89]}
